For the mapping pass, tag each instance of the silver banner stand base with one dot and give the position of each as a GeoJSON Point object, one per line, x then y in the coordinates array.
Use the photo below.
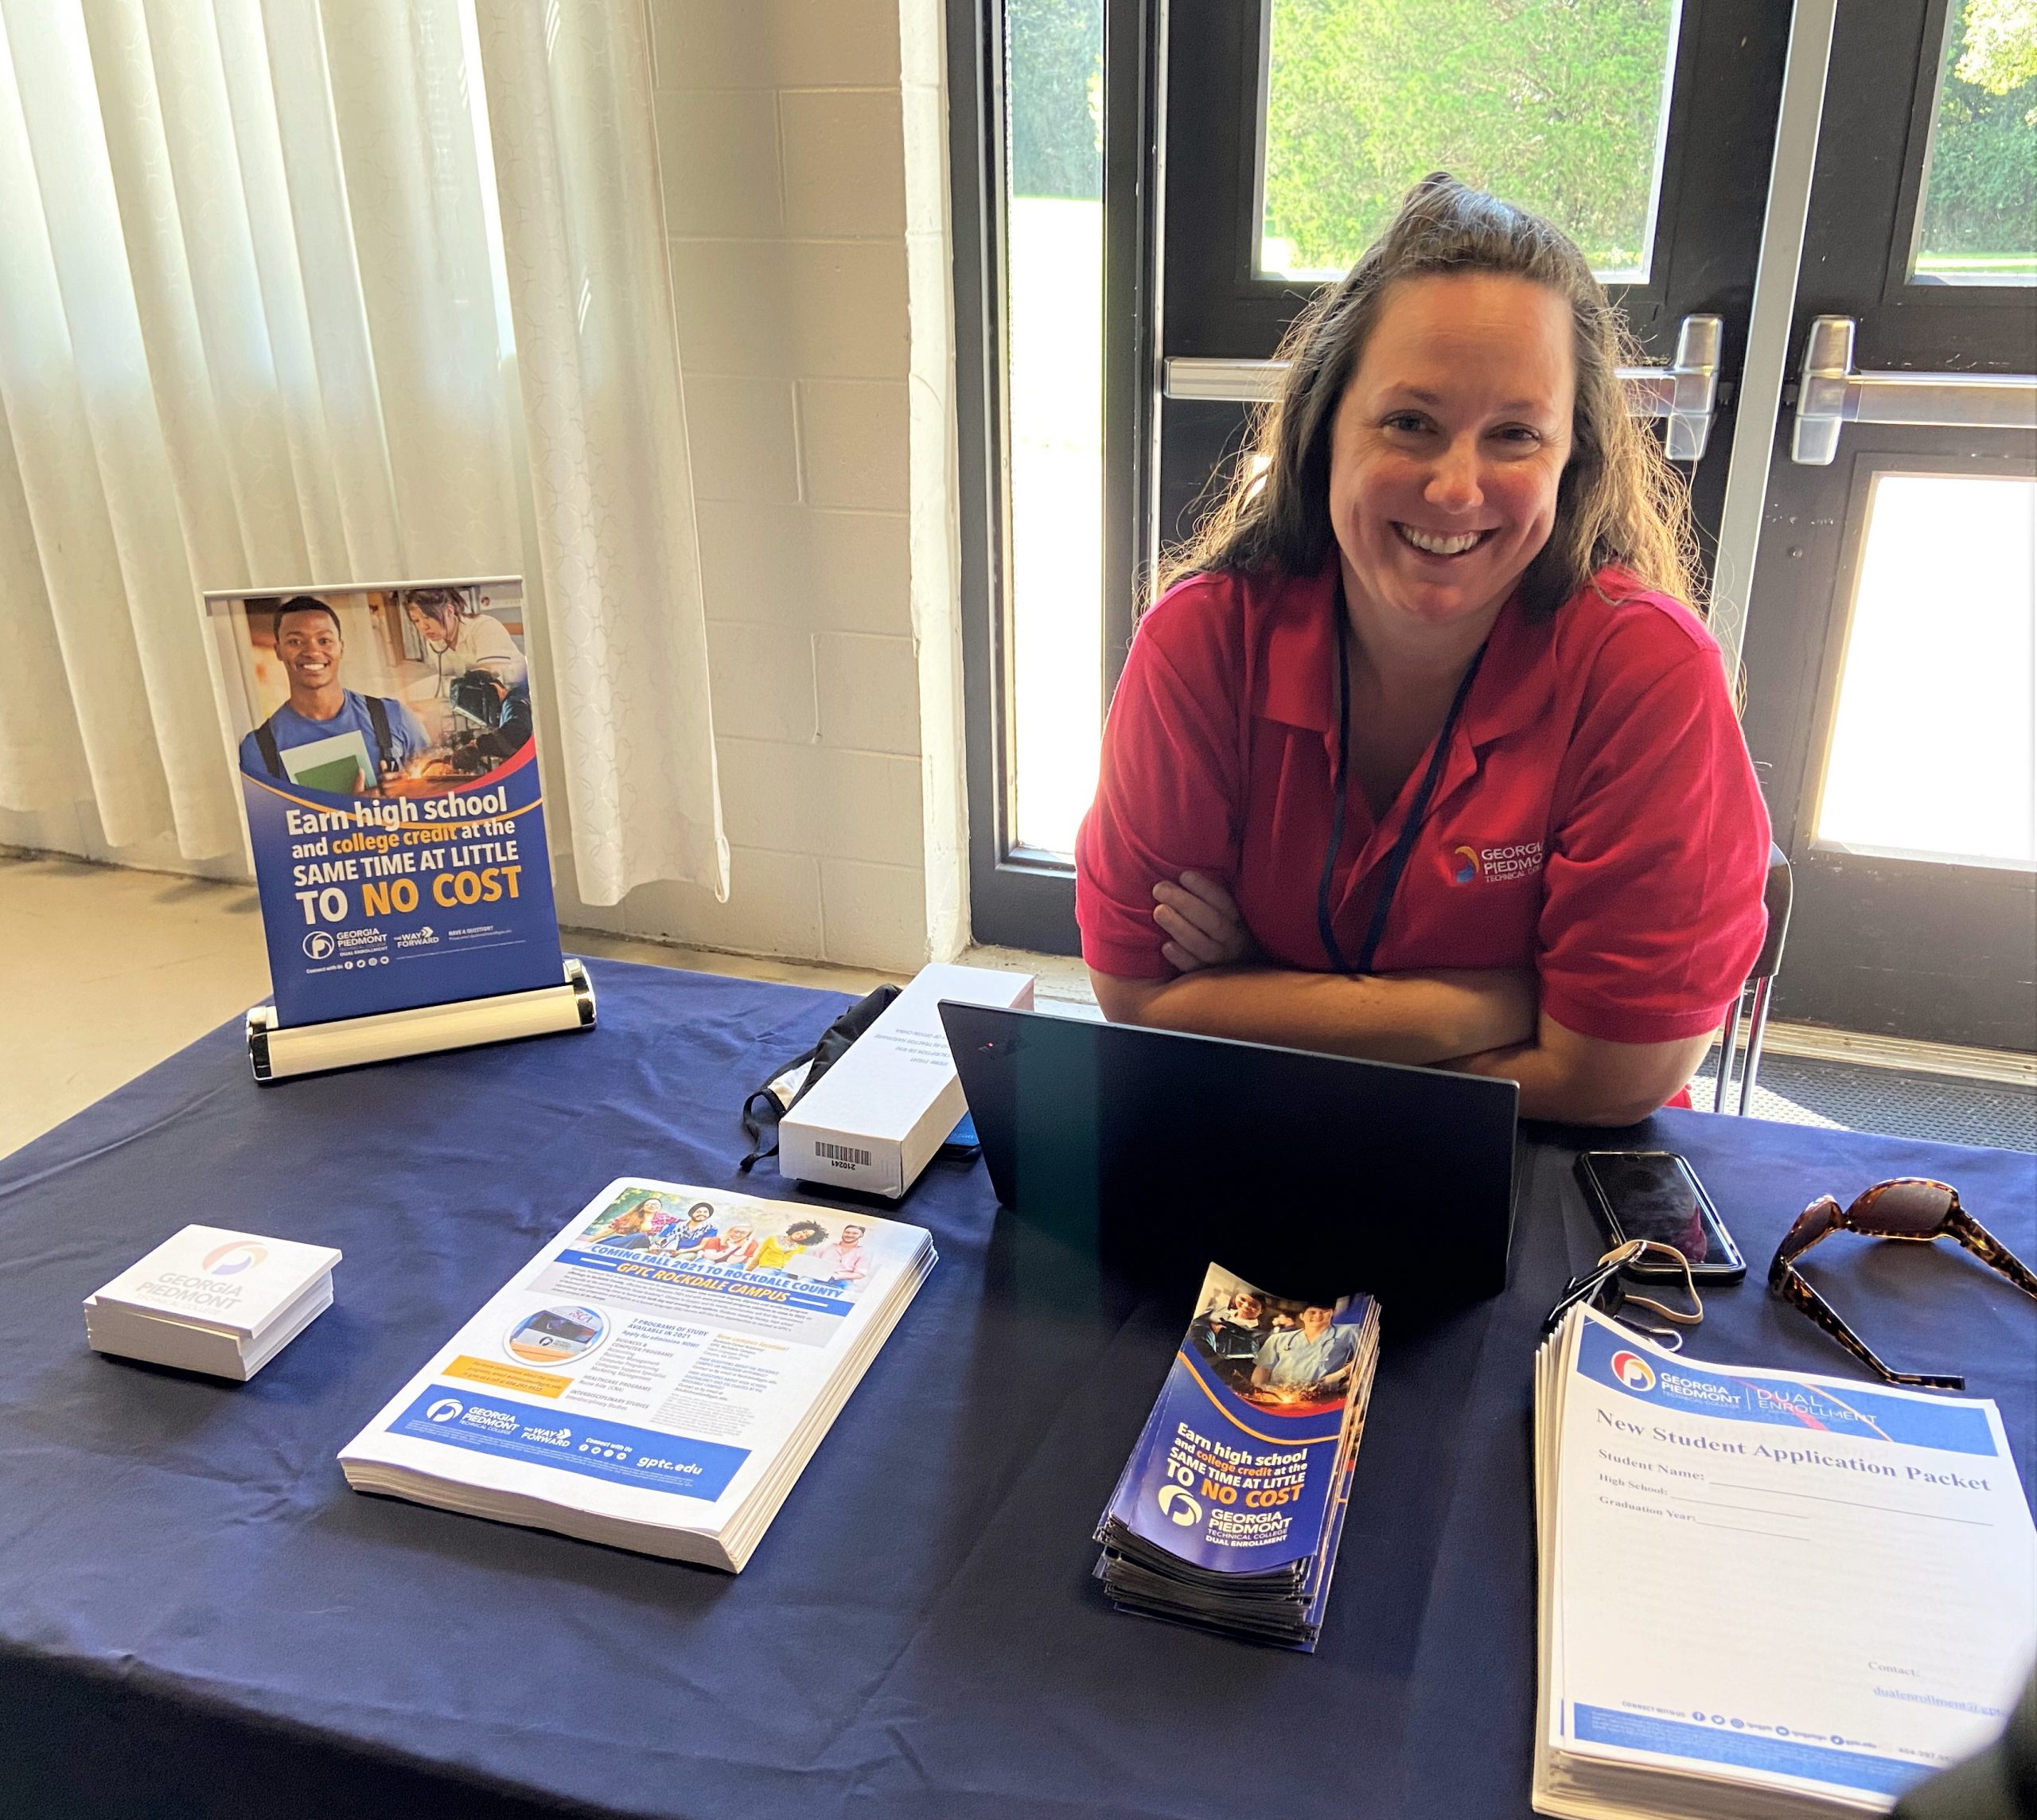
{"type": "Point", "coordinates": [277, 1051]}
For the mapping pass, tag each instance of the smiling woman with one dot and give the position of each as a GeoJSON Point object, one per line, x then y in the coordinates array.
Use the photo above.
{"type": "Point", "coordinates": [1423, 756]}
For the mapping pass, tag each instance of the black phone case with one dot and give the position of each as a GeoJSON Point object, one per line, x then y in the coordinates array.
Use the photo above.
{"type": "Point", "coordinates": [1601, 1205]}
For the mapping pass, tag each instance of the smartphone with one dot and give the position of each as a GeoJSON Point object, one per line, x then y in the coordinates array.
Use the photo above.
{"type": "Point", "coordinates": [1655, 1193]}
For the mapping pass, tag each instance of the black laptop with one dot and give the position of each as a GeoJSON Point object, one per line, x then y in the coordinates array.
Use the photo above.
{"type": "Point", "coordinates": [1308, 1174]}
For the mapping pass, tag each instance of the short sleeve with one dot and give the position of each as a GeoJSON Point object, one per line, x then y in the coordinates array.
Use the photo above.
{"type": "Point", "coordinates": [1170, 784]}
{"type": "Point", "coordinates": [1654, 912]}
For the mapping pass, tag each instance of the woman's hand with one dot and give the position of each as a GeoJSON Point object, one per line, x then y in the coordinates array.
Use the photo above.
{"type": "Point", "coordinates": [1202, 923]}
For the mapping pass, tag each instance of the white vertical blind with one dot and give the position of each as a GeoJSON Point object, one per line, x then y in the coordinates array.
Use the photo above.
{"type": "Point", "coordinates": [576, 166]}
{"type": "Point", "coordinates": [250, 336]}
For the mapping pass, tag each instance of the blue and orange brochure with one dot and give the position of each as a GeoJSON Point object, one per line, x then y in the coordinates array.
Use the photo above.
{"type": "Point", "coordinates": [1228, 1512]}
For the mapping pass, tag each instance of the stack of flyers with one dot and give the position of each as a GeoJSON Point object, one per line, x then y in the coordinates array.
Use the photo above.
{"type": "Point", "coordinates": [656, 1377]}
{"type": "Point", "coordinates": [1765, 1595]}
{"type": "Point", "coordinates": [1228, 1514]}
{"type": "Point", "coordinates": [211, 1300]}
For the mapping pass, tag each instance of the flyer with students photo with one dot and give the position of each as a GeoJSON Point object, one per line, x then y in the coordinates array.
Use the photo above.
{"type": "Point", "coordinates": [387, 763]}
{"type": "Point", "coordinates": [653, 1373]}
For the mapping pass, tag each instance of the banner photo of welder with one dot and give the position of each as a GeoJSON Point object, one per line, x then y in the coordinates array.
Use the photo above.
{"type": "Point", "coordinates": [388, 766]}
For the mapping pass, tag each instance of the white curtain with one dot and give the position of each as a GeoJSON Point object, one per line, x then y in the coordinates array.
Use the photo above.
{"type": "Point", "coordinates": [252, 333]}
{"type": "Point", "coordinates": [576, 168]}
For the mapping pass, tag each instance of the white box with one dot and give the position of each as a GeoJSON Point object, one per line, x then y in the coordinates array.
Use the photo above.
{"type": "Point", "coordinates": [210, 1299]}
{"type": "Point", "coordinates": [876, 1117]}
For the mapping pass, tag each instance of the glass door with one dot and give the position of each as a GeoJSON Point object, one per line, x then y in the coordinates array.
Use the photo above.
{"type": "Point", "coordinates": [1143, 254]}
{"type": "Point", "coordinates": [1643, 127]}
{"type": "Point", "coordinates": [1891, 665]}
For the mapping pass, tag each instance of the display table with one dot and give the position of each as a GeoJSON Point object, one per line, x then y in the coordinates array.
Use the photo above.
{"type": "Point", "coordinates": [197, 1615]}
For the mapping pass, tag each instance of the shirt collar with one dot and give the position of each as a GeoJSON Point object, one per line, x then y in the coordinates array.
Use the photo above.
{"type": "Point", "coordinates": [1297, 683]}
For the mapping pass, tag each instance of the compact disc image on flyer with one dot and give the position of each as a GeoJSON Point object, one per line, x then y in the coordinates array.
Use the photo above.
{"type": "Point", "coordinates": [382, 737]}
{"type": "Point", "coordinates": [557, 1336]}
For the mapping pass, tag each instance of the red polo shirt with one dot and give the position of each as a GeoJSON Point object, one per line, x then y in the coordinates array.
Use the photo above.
{"type": "Point", "coordinates": [1597, 818]}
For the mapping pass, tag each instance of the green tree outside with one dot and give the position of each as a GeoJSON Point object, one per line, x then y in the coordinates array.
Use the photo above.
{"type": "Point", "coordinates": [1053, 81]}
{"type": "Point", "coordinates": [1555, 104]}
{"type": "Point", "coordinates": [1980, 213]}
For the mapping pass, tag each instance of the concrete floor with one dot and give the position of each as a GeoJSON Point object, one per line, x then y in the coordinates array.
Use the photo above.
{"type": "Point", "coordinates": [104, 973]}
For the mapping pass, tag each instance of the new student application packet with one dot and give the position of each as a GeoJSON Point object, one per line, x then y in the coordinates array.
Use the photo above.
{"type": "Point", "coordinates": [656, 1377]}
{"type": "Point", "coordinates": [1763, 1593]}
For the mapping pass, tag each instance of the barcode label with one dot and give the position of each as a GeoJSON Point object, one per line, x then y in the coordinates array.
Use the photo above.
{"type": "Point", "coordinates": [841, 1153]}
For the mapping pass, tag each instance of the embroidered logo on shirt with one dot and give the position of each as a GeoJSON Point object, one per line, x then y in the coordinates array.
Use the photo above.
{"type": "Point", "coordinates": [1496, 865]}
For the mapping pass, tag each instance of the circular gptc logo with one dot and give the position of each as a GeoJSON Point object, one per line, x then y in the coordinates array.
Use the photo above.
{"type": "Point", "coordinates": [1633, 1371]}
{"type": "Point", "coordinates": [230, 1260]}
{"type": "Point", "coordinates": [317, 945]}
{"type": "Point", "coordinates": [444, 1410]}
{"type": "Point", "coordinates": [1177, 1506]}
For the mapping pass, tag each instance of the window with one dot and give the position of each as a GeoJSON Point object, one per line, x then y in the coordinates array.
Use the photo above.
{"type": "Point", "coordinates": [1978, 223]}
{"type": "Point", "coordinates": [1934, 750]}
{"type": "Point", "coordinates": [1560, 107]}
{"type": "Point", "coordinates": [1054, 210]}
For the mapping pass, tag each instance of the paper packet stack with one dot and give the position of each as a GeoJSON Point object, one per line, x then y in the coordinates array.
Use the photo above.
{"type": "Point", "coordinates": [212, 1300]}
{"type": "Point", "coordinates": [1765, 1595]}
{"type": "Point", "coordinates": [657, 1377]}
{"type": "Point", "coordinates": [1228, 1513]}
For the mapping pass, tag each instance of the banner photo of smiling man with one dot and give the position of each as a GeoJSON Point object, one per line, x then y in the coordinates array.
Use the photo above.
{"type": "Point", "coordinates": [384, 737]}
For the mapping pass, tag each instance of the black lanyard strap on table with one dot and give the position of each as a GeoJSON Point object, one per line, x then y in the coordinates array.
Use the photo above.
{"type": "Point", "coordinates": [1397, 861]}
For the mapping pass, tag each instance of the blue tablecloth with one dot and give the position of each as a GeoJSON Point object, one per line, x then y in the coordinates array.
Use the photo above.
{"type": "Point", "coordinates": [197, 1615]}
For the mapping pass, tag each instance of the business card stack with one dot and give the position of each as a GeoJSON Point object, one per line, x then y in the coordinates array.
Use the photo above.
{"type": "Point", "coordinates": [1228, 1512]}
{"type": "Point", "coordinates": [212, 1300]}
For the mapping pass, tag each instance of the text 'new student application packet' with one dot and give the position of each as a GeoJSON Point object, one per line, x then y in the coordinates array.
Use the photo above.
{"type": "Point", "coordinates": [1763, 1593]}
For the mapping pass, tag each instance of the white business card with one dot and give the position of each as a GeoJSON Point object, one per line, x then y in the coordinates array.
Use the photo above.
{"type": "Point", "coordinates": [233, 1282]}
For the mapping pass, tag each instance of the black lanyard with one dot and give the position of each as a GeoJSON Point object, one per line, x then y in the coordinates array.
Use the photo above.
{"type": "Point", "coordinates": [1397, 861]}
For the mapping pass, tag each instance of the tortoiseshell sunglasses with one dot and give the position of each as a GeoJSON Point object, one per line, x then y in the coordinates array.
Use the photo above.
{"type": "Point", "coordinates": [1909, 1207]}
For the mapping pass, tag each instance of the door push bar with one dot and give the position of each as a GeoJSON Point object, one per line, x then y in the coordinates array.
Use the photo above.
{"type": "Point", "coordinates": [1683, 393]}
{"type": "Point", "coordinates": [1830, 393]}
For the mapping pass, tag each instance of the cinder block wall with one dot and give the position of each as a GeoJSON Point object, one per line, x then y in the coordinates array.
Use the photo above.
{"type": "Point", "coordinates": [803, 146]}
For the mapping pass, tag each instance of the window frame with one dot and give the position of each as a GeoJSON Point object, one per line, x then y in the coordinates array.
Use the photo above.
{"type": "Point", "coordinates": [1900, 289]}
{"type": "Point", "coordinates": [1022, 896]}
{"type": "Point", "coordinates": [1883, 449]}
{"type": "Point", "coordinates": [1219, 219]}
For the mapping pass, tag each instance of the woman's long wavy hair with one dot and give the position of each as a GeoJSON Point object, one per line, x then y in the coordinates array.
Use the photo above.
{"type": "Point", "coordinates": [1619, 501]}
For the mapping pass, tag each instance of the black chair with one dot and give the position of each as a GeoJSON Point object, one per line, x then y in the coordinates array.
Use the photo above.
{"type": "Point", "coordinates": [1759, 988]}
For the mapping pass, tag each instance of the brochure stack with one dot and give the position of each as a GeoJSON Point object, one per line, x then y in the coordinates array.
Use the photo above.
{"type": "Point", "coordinates": [656, 1377]}
{"type": "Point", "coordinates": [212, 1300]}
{"type": "Point", "coordinates": [1764, 1596]}
{"type": "Point", "coordinates": [1228, 1513]}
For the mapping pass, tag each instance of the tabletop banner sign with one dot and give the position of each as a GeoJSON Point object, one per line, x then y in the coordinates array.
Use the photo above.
{"type": "Point", "coordinates": [389, 768]}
